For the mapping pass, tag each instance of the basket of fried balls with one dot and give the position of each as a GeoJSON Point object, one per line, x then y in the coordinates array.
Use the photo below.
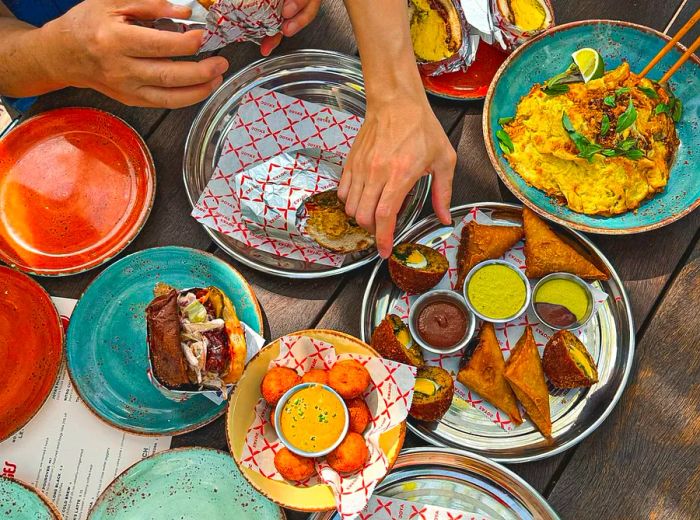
{"type": "Point", "coordinates": [349, 379]}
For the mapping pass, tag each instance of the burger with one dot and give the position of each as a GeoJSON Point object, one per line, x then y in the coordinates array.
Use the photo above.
{"type": "Point", "coordinates": [195, 340]}
{"type": "Point", "coordinates": [436, 29]}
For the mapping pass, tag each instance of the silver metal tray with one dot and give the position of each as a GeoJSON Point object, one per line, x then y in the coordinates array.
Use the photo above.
{"type": "Point", "coordinates": [460, 480]}
{"type": "Point", "coordinates": [325, 77]}
{"type": "Point", "coordinates": [574, 417]}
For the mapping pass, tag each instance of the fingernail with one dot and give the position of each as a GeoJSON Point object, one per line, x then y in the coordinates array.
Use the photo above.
{"type": "Point", "coordinates": [222, 67]}
{"type": "Point", "coordinates": [290, 28]}
{"type": "Point", "coordinates": [290, 9]}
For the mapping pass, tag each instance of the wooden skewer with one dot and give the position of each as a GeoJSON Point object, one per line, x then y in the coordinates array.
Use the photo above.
{"type": "Point", "coordinates": [681, 61]}
{"type": "Point", "coordinates": [689, 25]}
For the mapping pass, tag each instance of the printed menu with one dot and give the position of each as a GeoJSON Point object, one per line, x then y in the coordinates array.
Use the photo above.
{"type": "Point", "coordinates": [67, 451]}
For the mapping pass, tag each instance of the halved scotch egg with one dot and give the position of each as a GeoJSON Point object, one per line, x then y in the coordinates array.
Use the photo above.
{"type": "Point", "coordinates": [415, 268]}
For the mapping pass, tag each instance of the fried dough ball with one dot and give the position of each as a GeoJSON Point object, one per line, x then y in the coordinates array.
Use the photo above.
{"type": "Point", "coordinates": [316, 375]}
{"type": "Point", "coordinates": [292, 466]}
{"type": "Point", "coordinates": [350, 455]}
{"type": "Point", "coordinates": [276, 382]}
{"type": "Point", "coordinates": [359, 414]}
{"type": "Point", "coordinates": [349, 378]}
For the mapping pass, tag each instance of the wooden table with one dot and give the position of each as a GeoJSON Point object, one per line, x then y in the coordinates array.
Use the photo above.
{"type": "Point", "coordinates": [644, 461]}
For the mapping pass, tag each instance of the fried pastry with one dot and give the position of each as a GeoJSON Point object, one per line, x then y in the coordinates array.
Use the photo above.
{"type": "Point", "coordinates": [432, 393]}
{"type": "Point", "coordinates": [546, 253]}
{"type": "Point", "coordinates": [483, 373]}
{"type": "Point", "coordinates": [392, 339]}
{"type": "Point", "coordinates": [567, 363]}
{"type": "Point", "coordinates": [526, 377]}
{"type": "Point", "coordinates": [480, 242]}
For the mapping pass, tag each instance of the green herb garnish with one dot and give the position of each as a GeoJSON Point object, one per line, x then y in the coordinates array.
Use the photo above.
{"type": "Point", "coordinates": [586, 148]}
{"type": "Point", "coordinates": [604, 125]}
{"type": "Point", "coordinates": [556, 84]}
{"type": "Point", "coordinates": [505, 120]}
{"type": "Point", "coordinates": [621, 90]}
{"type": "Point", "coordinates": [627, 118]}
{"type": "Point", "coordinates": [650, 92]}
{"type": "Point", "coordinates": [504, 142]}
{"type": "Point", "coordinates": [609, 100]}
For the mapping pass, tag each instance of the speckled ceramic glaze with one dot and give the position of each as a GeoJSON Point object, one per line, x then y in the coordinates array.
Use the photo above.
{"type": "Point", "coordinates": [31, 349]}
{"type": "Point", "coordinates": [548, 55]}
{"type": "Point", "coordinates": [188, 484]}
{"type": "Point", "coordinates": [20, 501]}
{"type": "Point", "coordinates": [106, 349]}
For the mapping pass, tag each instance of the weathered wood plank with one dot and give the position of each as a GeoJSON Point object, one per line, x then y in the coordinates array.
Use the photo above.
{"type": "Point", "coordinates": [647, 452]}
{"type": "Point", "coordinates": [684, 14]}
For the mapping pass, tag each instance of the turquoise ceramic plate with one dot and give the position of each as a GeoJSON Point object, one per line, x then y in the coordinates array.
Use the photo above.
{"type": "Point", "coordinates": [106, 350]}
{"type": "Point", "coordinates": [549, 54]}
{"type": "Point", "coordinates": [187, 483]}
{"type": "Point", "coordinates": [21, 501]}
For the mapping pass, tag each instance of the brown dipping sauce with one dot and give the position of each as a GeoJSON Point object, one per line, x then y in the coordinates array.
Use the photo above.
{"type": "Point", "coordinates": [555, 314]}
{"type": "Point", "coordinates": [442, 324]}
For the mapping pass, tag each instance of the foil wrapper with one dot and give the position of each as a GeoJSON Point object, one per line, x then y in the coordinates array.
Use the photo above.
{"type": "Point", "coordinates": [513, 35]}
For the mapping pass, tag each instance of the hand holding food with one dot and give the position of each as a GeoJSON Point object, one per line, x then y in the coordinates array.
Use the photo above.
{"type": "Point", "coordinates": [331, 227]}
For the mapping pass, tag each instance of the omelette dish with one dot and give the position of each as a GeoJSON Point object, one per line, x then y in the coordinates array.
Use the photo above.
{"type": "Point", "coordinates": [600, 147]}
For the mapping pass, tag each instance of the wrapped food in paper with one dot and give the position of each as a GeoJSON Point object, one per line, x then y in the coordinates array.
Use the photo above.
{"type": "Point", "coordinates": [522, 20]}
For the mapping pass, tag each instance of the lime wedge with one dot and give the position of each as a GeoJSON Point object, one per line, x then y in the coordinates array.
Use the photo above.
{"type": "Point", "coordinates": [589, 63]}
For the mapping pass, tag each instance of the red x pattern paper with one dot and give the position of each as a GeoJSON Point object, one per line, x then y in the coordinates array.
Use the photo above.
{"type": "Point", "coordinates": [267, 125]}
{"type": "Point", "coordinates": [385, 508]}
{"type": "Point", "coordinates": [388, 398]}
{"type": "Point", "coordinates": [508, 333]}
{"type": "Point", "coordinates": [230, 21]}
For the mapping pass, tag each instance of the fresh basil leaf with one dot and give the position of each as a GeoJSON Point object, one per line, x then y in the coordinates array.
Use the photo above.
{"type": "Point", "coordinates": [622, 90]}
{"type": "Point", "coordinates": [627, 144]}
{"type": "Point", "coordinates": [504, 141]}
{"type": "Point", "coordinates": [635, 154]}
{"type": "Point", "coordinates": [650, 92]}
{"type": "Point", "coordinates": [604, 125]}
{"type": "Point", "coordinates": [660, 108]}
{"type": "Point", "coordinates": [590, 150]}
{"type": "Point", "coordinates": [555, 90]}
{"type": "Point", "coordinates": [627, 118]}
{"type": "Point", "coordinates": [609, 152]}
{"type": "Point", "coordinates": [609, 100]}
{"type": "Point", "coordinates": [555, 85]}
{"type": "Point", "coordinates": [566, 123]}
{"type": "Point", "coordinates": [677, 110]}
{"type": "Point", "coordinates": [505, 120]}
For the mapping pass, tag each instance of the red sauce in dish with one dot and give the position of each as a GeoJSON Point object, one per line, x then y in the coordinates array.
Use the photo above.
{"type": "Point", "coordinates": [472, 83]}
{"type": "Point", "coordinates": [555, 314]}
{"type": "Point", "coordinates": [442, 324]}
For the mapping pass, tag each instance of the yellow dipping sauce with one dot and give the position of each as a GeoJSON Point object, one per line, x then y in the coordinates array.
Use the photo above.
{"type": "Point", "coordinates": [313, 419]}
{"type": "Point", "coordinates": [566, 293]}
{"type": "Point", "coordinates": [497, 291]}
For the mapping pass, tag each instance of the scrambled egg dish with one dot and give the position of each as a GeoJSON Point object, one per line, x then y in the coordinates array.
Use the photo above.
{"type": "Point", "coordinates": [601, 147]}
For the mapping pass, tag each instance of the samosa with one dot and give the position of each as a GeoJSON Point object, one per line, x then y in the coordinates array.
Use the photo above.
{"type": "Point", "coordinates": [546, 253]}
{"type": "Point", "coordinates": [526, 377]}
{"type": "Point", "coordinates": [480, 242]}
{"type": "Point", "coordinates": [483, 373]}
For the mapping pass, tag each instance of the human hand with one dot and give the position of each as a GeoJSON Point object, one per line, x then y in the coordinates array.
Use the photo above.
{"type": "Point", "coordinates": [94, 45]}
{"type": "Point", "coordinates": [400, 141]}
{"type": "Point", "coordinates": [297, 14]}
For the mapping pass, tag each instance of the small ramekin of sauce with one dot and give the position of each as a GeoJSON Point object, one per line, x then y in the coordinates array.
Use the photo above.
{"type": "Point", "coordinates": [440, 321]}
{"type": "Point", "coordinates": [497, 291]}
{"type": "Point", "coordinates": [311, 419]}
{"type": "Point", "coordinates": [562, 301]}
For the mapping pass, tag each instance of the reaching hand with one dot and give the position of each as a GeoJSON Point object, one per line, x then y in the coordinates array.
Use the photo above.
{"type": "Point", "coordinates": [399, 142]}
{"type": "Point", "coordinates": [297, 14]}
{"type": "Point", "coordinates": [94, 45]}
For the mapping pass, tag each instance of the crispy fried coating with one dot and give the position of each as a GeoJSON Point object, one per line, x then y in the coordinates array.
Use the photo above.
{"type": "Point", "coordinates": [526, 377]}
{"type": "Point", "coordinates": [276, 382]}
{"type": "Point", "coordinates": [480, 242]}
{"type": "Point", "coordinates": [415, 268]}
{"type": "Point", "coordinates": [546, 253]}
{"type": "Point", "coordinates": [567, 363]}
{"type": "Point", "coordinates": [350, 455]}
{"type": "Point", "coordinates": [359, 414]}
{"type": "Point", "coordinates": [316, 375]}
{"type": "Point", "coordinates": [388, 339]}
{"type": "Point", "coordinates": [349, 378]}
{"type": "Point", "coordinates": [483, 373]}
{"type": "Point", "coordinates": [433, 407]}
{"type": "Point", "coordinates": [292, 466]}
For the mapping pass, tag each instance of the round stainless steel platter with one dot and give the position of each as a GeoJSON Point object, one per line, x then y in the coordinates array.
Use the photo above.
{"type": "Point", "coordinates": [460, 480]}
{"type": "Point", "coordinates": [576, 413]}
{"type": "Point", "coordinates": [324, 77]}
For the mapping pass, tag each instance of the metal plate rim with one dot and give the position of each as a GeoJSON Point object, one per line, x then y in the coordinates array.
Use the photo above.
{"type": "Point", "coordinates": [628, 362]}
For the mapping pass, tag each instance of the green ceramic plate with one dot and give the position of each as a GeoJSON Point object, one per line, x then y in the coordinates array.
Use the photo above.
{"type": "Point", "coordinates": [21, 501]}
{"type": "Point", "coordinates": [184, 483]}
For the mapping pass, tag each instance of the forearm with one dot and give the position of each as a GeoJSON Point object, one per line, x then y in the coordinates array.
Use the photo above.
{"type": "Point", "coordinates": [384, 41]}
{"type": "Point", "coordinates": [24, 69]}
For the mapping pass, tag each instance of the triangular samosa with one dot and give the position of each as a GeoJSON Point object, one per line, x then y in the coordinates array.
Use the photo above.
{"type": "Point", "coordinates": [483, 374]}
{"type": "Point", "coordinates": [526, 377]}
{"type": "Point", "coordinates": [546, 253]}
{"type": "Point", "coordinates": [480, 242]}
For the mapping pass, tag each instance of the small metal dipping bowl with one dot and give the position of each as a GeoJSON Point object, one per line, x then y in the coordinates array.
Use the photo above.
{"type": "Point", "coordinates": [575, 279]}
{"type": "Point", "coordinates": [528, 290]}
{"type": "Point", "coordinates": [440, 295]}
{"type": "Point", "coordinates": [278, 412]}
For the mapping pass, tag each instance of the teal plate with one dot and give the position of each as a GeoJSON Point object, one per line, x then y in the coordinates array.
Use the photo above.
{"type": "Point", "coordinates": [184, 483]}
{"type": "Point", "coordinates": [549, 54]}
{"type": "Point", "coordinates": [20, 501]}
{"type": "Point", "coordinates": [106, 350]}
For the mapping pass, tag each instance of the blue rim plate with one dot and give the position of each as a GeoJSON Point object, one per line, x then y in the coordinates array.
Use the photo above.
{"type": "Point", "coordinates": [22, 501]}
{"type": "Point", "coordinates": [183, 483]}
{"type": "Point", "coordinates": [547, 55]}
{"type": "Point", "coordinates": [106, 351]}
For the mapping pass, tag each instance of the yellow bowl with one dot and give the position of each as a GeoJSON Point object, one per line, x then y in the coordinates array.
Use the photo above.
{"type": "Point", "coordinates": [240, 414]}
